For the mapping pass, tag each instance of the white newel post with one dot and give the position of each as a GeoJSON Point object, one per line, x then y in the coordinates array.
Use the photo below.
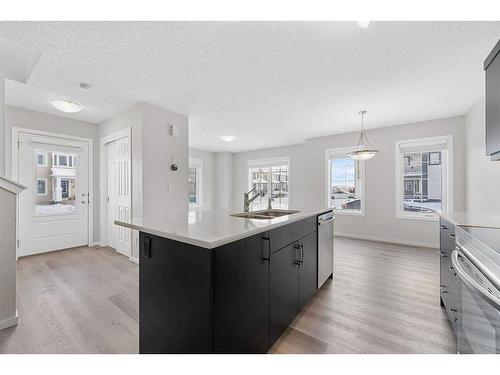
{"type": "Point", "coordinates": [9, 191]}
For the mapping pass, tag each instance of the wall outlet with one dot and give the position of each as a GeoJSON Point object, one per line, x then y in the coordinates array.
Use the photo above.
{"type": "Point", "coordinates": [173, 188]}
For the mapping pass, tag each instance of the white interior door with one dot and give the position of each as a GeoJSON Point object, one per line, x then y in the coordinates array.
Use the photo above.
{"type": "Point", "coordinates": [53, 211]}
{"type": "Point", "coordinates": [119, 194]}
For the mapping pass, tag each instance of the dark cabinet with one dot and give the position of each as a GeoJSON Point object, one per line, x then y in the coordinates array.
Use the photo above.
{"type": "Point", "coordinates": [241, 296]}
{"type": "Point", "coordinates": [175, 297]}
{"type": "Point", "coordinates": [492, 103]}
{"type": "Point", "coordinates": [284, 289]}
{"type": "Point", "coordinates": [293, 281]}
{"type": "Point", "coordinates": [308, 276]}
{"type": "Point", "coordinates": [235, 298]}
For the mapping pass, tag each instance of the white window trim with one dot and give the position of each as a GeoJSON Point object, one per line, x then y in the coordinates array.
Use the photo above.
{"type": "Point", "coordinates": [45, 159]}
{"type": "Point", "coordinates": [346, 150]}
{"type": "Point", "coordinates": [447, 204]}
{"type": "Point", "coordinates": [256, 163]}
{"type": "Point", "coordinates": [198, 164]}
{"type": "Point", "coordinates": [46, 186]}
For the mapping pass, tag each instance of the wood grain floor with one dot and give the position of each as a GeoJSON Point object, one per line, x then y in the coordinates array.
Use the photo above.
{"type": "Point", "coordinates": [384, 299]}
{"type": "Point", "coordinates": [82, 300]}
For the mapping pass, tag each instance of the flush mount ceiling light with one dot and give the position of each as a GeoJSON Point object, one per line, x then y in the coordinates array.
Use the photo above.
{"type": "Point", "coordinates": [363, 24]}
{"type": "Point", "coordinates": [364, 150]}
{"type": "Point", "coordinates": [227, 138]}
{"type": "Point", "coordinates": [66, 106]}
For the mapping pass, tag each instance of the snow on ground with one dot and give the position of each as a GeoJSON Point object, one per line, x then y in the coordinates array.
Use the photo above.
{"type": "Point", "coordinates": [52, 209]}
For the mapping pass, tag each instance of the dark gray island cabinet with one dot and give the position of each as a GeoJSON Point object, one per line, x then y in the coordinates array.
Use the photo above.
{"type": "Point", "coordinates": [234, 298]}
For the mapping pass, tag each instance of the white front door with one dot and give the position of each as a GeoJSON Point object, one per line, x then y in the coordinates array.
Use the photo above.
{"type": "Point", "coordinates": [53, 211]}
{"type": "Point", "coordinates": [118, 194]}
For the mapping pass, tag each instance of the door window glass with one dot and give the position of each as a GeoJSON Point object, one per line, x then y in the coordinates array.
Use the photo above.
{"type": "Point", "coordinates": [56, 183]}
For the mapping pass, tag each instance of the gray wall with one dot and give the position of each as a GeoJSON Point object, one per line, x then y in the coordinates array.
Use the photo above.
{"type": "Point", "coordinates": [482, 174]}
{"type": "Point", "coordinates": [209, 186]}
{"type": "Point", "coordinates": [24, 118]}
{"type": "Point", "coordinates": [224, 178]}
{"type": "Point", "coordinates": [379, 221]}
{"type": "Point", "coordinates": [158, 146]}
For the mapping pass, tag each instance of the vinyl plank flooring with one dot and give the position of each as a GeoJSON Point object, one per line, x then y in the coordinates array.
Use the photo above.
{"type": "Point", "coordinates": [82, 300]}
{"type": "Point", "coordinates": [384, 299]}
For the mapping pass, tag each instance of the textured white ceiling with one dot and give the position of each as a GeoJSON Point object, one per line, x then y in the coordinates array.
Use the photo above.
{"type": "Point", "coordinates": [267, 83]}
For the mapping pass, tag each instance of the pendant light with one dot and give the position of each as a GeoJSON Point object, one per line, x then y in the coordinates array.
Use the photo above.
{"type": "Point", "coordinates": [364, 150]}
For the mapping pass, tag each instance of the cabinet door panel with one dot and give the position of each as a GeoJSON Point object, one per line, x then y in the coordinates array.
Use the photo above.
{"type": "Point", "coordinates": [175, 298]}
{"type": "Point", "coordinates": [241, 296]}
{"type": "Point", "coordinates": [284, 290]}
{"type": "Point", "coordinates": [308, 271]}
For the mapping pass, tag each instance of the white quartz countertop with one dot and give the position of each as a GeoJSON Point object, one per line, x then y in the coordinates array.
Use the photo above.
{"type": "Point", "coordinates": [212, 228]}
{"type": "Point", "coordinates": [472, 219]}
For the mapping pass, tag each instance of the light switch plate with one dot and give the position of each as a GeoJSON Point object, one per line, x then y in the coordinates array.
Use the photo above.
{"type": "Point", "coordinates": [174, 188]}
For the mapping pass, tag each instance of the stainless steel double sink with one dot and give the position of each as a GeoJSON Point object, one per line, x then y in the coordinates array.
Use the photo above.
{"type": "Point", "coordinates": [265, 214]}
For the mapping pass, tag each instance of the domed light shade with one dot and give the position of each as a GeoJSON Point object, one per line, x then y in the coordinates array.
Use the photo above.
{"type": "Point", "coordinates": [66, 106]}
{"type": "Point", "coordinates": [362, 152]}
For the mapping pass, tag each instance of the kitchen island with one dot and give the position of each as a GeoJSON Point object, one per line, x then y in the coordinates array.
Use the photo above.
{"type": "Point", "coordinates": [211, 282]}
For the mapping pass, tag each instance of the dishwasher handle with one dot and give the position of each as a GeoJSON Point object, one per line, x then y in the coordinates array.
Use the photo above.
{"type": "Point", "coordinates": [325, 221]}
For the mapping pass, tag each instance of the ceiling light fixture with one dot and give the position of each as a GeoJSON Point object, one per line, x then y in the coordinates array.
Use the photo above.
{"type": "Point", "coordinates": [227, 138]}
{"type": "Point", "coordinates": [363, 24]}
{"type": "Point", "coordinates": [66, 106]}
{"type": "Point", "coordinates": [362, 152]}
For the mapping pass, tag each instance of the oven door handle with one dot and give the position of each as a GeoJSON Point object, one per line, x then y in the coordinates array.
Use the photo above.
{"type": "Point", "coordinates": [471, 283]}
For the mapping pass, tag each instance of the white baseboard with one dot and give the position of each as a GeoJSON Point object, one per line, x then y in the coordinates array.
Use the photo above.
{"type": "Point", "coordinates": [9, 322]}
{"type": "Point", "coordinates": [388, 240]}
{"type": "Point", "coordinates": [133, 259]}
{"type": "Point", "coordinates": [96, 243]}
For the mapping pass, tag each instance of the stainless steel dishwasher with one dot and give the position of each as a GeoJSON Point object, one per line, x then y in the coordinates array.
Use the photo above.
{"type": "Point", "coordinates": [325, 247]}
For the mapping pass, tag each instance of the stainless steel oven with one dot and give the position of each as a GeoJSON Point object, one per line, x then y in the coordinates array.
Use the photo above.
{"type": "Point", "coordinates": [478, 316]}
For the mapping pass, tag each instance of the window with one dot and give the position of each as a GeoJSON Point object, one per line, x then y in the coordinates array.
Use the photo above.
{"type": "Point", "coordinates": [195, 183]}
{"type": "Point", "coordinates": [61, 160]}
{"type": "Point", "coordinates": [422, 177]}
{"type": "Point", "coordinates": [41, 159]}
{"type": "Point", "coordinates": [41, 186]}
{"type": "Point", "coordinates": [270, 178]}
{"type": "Point", "coordinates": [345, 182]}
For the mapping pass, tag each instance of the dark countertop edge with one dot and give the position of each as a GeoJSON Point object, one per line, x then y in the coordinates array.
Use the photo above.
{"type": "Point", "coordinates": [212, 245]}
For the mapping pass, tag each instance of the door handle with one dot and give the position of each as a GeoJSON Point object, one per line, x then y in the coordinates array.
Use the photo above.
{"type": "Point", "coordinates": [268, 258]}
{"type": "Point", "coordinates": [301, 253]}
{"type": "Point", "coordinates": [146, 249]}
{"type": "Point", "coordinates": [297, 262]}
{"type": "Point", "coordinates": [83, 202]}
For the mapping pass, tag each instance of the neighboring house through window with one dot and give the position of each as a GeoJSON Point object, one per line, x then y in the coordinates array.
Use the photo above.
{"type": "Point", "coordinates": [41, 159]}
{"type": "Point", "coordinates": [345, 182]}
{"type": "Point", "coordinates": [41, 186]}
{"type": "Point", "coordinates": [271, 178]}
{"type": "Point", "coordinates": [195, 183]}
{"type": "Point", "coordinates": [423, 177]}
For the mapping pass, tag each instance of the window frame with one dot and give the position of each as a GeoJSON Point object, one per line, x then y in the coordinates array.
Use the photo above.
{"type": "Point", "coordinates": [362, 169]}
{"type": "Point", "coordinates": [46, 186]}
{"type": "Point", "coordinates": [446, 162]}
{"type": "Point", "coordinates": [45, 159]}
{"type": "Point", "coordinates": [268, 162]}
{"type": "Point", "coordinates": [198, 165]}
